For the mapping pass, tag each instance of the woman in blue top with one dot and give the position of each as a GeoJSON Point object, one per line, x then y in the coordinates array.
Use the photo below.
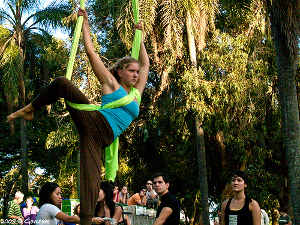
{"type": "Point", "coordinates": [98, 128]}
{"type": "Point", "coordinates": [240, 210]}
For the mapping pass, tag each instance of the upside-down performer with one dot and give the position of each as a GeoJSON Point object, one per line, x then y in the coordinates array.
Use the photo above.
{"type": "Point", "coordinates": [97, 128]}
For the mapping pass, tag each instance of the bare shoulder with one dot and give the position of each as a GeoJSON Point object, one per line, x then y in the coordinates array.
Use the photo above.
{"type": "Point", "coordinates": [223, 207]}
{"type": "Point", "coordinates": [253, 205]}
{"type": "Point", "coordinates": [224, 204]}
{"type": "Point", "coordinates": [119, 208]}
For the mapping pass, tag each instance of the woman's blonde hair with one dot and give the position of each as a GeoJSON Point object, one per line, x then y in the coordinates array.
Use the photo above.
{"type": "Point", "coordinates": [121, 64]}
{"type": "Point", "coordinates": [30, 198]}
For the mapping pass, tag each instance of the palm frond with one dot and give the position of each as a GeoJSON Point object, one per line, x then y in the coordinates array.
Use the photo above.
{"type": "Point", "coordinates": [148, 13]}
{"type": "Point", "coordinates": [5, 38]}
{"type": "Point", "coordinates": [31, 5]}
{"type": "Point", "coordinates": [11, 62]}
{"type": "Point", "coordinates": [125, 23]}
{"type": "Point", "coordinates": [4, 16]}
{"type": "Point", "coordinates": [172, 16]}
{"type": "Point", "coordinates": [52, 16]}
{"type": "Point", "coordinates": [38, 36]}
{"type": "Point", "coordinates": [14, 12]}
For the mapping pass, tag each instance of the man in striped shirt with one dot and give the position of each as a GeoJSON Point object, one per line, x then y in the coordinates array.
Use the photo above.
{"type": "Point", "coordinates": [14, 213]}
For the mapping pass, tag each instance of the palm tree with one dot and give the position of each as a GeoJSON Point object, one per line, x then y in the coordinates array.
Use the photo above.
{"type": "Point", "coordinates": [284, 21]}
{"type": "Point", "coordinates": [21, 22]}
{"type": "Point", "coordinates": [166, 22]}
{"type": "Point", "coordinates": [285, 17]}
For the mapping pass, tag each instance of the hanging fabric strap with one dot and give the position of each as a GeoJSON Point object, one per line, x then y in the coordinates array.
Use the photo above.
{"type": "Point", "coordinates": [75, 43]}
{"type": "Point", "coordinates": [111, 152]}
{"type": "Point", "coordinates": [138, 33]}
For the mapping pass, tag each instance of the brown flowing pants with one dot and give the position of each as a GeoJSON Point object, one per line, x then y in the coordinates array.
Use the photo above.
{"type": "Point", "coordinates": [95, 134]}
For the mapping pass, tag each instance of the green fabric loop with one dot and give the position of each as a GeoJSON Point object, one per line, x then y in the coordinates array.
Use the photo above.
{"type": "Point", "coordinates": [118, 103]}
{"type": "Point", "coordinates": [111, 152]}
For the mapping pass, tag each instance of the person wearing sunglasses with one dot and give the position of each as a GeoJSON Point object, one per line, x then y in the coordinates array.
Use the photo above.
{"type": "Point", "coordinates": [151, 196]}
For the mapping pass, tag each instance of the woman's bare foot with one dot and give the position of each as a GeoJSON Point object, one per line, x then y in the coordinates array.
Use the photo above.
{"type": "Point", "coordinates": [26, 113]}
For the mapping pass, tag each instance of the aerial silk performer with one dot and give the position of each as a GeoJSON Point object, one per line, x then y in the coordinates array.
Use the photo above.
{"type": "Point", "coordinates": [98, 127]}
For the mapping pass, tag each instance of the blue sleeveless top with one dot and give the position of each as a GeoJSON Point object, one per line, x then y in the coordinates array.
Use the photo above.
{"type": "Point", "coordinates": [121, 117]}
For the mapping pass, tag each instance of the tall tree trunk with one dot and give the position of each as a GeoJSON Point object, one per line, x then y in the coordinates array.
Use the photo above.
{"type": "Point", "coordinates": [202, 172]}
{"type": "Point", "coordinates": [23, 133]}
{"type": "Point", "coordinates": [162, 66]}
{"type": "Point", "coordinates": [286, 71]}
{"type": "Point", "coordinates": [199, 131]}
{"type": "Point", "coordinates": [5, 202]}
{"type": "Point", "coordinates": [24, 157]}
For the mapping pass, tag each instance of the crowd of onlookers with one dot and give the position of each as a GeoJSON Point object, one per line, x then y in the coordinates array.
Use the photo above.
{"type": "Point", "coordinates": [145, 197]}
{"type": "Point", "coordinates": [108, 210]}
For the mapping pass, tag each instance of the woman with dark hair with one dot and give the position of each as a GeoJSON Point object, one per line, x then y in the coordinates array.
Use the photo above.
{"type": "Point", "coordinates": [77, 211]}
{"type": "Point", "coordinates": [50, 203]}
{"type": "Point", "coordinates": [116, 194]}
{"type": "Point", "coordinates": [122, 86]}
{"type": "Point", "coordinates": [106, 207]}
{"type": "Point", "coordinates": [240, 210]}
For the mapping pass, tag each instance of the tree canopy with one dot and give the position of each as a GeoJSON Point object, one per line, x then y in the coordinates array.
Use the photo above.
{"type": "Point", "coordinates": [233, 92]}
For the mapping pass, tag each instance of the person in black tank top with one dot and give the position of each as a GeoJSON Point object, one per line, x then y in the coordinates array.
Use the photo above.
{"type": "Point", "coordinates": [240, 210]}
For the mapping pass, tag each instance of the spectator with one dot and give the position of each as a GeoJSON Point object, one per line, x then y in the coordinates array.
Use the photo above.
{"type": "Point", "coordinates": [284, 218]}
{"type": "Point", "coordinates": [241, 209]}
{"type": "Point", "coordinates": [138, 198]}
{"type": "Point", "coordinates": [29, 212]}
{"type": "Point", "coordinates": [168, 213]}
{"type": "Point", "coordinates": [124, 195]}
{"type": "Point", "coordinates": [77, 211]}
{"type": "Point", "coordinates": [217, 220]}
{"type": "Point", "coordinates": [151, 196]}
{"type": "Point", "coordinates": [50, 202]}
{"type": "Point", "coordinates": [116, 194]}
{"type": "Point", "coordinates": [14, 211]}
{"type": "Point", "coordinates": [105, 207]}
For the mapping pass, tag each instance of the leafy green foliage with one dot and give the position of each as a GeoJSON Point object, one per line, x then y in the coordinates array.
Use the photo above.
{"type": "Point", "coordinates": [233, 93]}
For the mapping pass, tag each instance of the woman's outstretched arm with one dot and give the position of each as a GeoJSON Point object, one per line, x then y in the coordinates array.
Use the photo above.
{"type": "Point", "coordinates": [75, 219]}
{"type": "Point", "coordinates": [144, 61]}
{"type": "Point", "coordinates": [107, 80]}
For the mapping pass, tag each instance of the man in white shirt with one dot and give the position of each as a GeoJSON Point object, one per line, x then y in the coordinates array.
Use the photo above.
{"type": "Point", "coordinates": [151, 196]}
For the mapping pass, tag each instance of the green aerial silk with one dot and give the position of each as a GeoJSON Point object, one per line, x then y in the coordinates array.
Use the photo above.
{"type": "Point", "coordinates": [138, 33]}
{"type": "Point", "coordinates": [75, 43]}
{"type": "Point", "coordinates": [111, 152]}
